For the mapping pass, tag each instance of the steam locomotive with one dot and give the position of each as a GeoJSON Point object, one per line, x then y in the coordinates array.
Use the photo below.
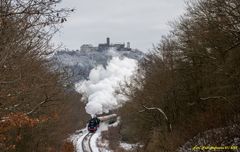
{"type": "Point", "coordinates": [93, 123]}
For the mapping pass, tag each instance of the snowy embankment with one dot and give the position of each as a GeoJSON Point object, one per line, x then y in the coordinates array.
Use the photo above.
{"type": "Point", "coordinates": [77, 139]}
{"type": "Point", "coordinates": [228, 137]}
{"type": "Point", "coordinates": [96, 143]}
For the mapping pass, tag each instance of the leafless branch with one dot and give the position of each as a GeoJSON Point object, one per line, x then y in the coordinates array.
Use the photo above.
{"type": "Point", "coordinates": [214, 97]}
{"type": "Point", "coordinates": [39, 105]}
{"type": "Point", "coordinates": [159, 110]}
{"type": "Point", "coordinates": [234, 46]}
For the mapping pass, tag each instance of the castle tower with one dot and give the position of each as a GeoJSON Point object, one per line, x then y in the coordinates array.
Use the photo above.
{"type": "Point", "coordinates": [108, 41]}
{"type": "Point", "coordinates": [128, 45]}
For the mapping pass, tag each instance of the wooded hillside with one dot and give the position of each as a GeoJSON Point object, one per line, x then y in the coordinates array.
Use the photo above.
{"type": "Point", "coordinates": [190, 83]}
{"type": "Point", "coordinates": [36, 111]}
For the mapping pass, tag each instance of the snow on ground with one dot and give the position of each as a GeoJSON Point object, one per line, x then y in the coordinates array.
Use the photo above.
{"type": "Point", "coordinates": [97, 136]}
{"type": "Point", "coordinates": [219, 137]}
{"type": "Point", "coordinates": [93, 142]}
{"type": "Point", "coordinates": [115, 124]}
{"type": "Point", "coordinates": [126, 146]}
{"type": "Point", "coordinates": [96, 139]}
{"type": "Point", "coordinates": [77, 139]}
{"type": "Point", "coordinates": [129, 147]}
{"type": "Point", "coordinates": [103, 145]}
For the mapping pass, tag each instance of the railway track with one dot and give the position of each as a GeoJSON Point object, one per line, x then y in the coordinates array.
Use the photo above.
{"type": "Point", "coordinates": [86, 147]}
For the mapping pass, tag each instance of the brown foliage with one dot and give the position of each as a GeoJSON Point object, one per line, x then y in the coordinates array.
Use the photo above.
{"type": "Point", "coordinates": [67, 147]}
{"type": "Point", "coordinates": [192, 75]}
{"type": "Point", "coordinates": [15, 121]}
{"type": "Point", "coordinates": [36, 111]}
{"type": "Point", "coordinates": [113, 136]}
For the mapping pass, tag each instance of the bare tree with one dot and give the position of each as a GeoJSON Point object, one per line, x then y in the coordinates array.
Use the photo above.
{"type": "Point", "coordinates": [31, 94]}
{"type": "Point", "coordinates": [192, 75]}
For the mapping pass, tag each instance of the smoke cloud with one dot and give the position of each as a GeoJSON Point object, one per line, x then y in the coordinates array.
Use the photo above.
{"type": "Point", "coordinates": [99, 90]}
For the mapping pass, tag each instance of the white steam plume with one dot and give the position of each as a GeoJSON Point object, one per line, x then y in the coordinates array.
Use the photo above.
{"type": "Point", "coordinates": [99, 89]}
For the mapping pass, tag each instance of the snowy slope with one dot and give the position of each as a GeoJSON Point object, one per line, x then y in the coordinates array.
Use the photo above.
{"type": "Point", "coordinates": [95, 140]}
{"type": "Point", "coordinates": [78, 64]}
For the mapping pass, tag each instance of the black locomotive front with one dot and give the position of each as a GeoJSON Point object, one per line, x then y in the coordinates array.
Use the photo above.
{"type": "Point", "coordinates": [93, 124]}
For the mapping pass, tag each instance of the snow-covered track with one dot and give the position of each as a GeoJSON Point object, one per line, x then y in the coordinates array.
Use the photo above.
{"type": "Point", "coordinates": [86, 147]}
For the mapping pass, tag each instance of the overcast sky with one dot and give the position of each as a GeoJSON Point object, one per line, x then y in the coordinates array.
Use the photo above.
{"type": "Point", "coordinates": [141, 22]}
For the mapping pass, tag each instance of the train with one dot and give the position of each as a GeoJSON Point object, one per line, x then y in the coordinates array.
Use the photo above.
{"type": "Point", "coordinates": [94, 123]}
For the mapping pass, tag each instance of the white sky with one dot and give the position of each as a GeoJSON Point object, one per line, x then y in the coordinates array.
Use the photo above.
{"type": "Point", "coordinates": [141, 22]}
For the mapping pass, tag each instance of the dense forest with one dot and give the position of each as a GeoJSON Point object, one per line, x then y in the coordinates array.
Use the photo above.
{"type": "Point", "coordinates": [190, 82]}
{"type": "Point", "coordinates": [36, 112]}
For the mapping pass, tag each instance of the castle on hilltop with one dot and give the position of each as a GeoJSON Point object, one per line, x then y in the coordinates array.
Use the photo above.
{"type": "Point", "coordinates": [106, 46]}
